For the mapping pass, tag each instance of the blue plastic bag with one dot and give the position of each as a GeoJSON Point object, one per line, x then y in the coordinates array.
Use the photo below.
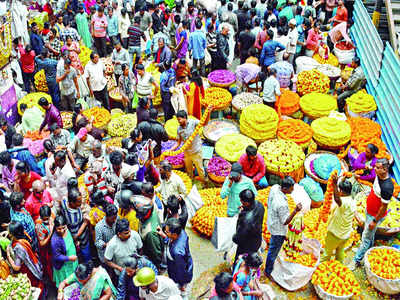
{"type": "Point", "coordinates": [325, 164]}
{"type": "Point", "coordinates": [313, 189]}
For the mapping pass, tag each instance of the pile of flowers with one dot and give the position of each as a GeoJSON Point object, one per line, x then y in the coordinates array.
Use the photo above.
{"type": "Point", "coordinates": [219, 166]}
{"type": "Point", "coordinates": [336, 279]}
{"type": "Point", "coordinates": [314, 229]}
{"type": "Point", "coordinates": [114, 142]}
{"type": "Point", "coordinates": [243, 100]}
{"type": "Point", "coordinates": [101, 116]}
{"type": "Point", "coordinates": [214, 206]}
{"type": "Point", "coordinates": [218, 97]}
{"type": "Point", "coordinates": [361, 102]}
{"type": "Point", "coordinates": [343, 46]}
{"type": "Point", "coordinates": [84, 56]}
{"type": "Point", "coordinates": [15, 287]}
{"type": "Point", "coordinates": [296, 131]}
{"type": "Point", "coordinates": [317, 105]}
{"type": "Point", "coordinates": [177, 160]}
{"type": "Point", "coordinates": [32, 99]}
{"type": "Point", "coordinates": [109, 66]}
{"type": "Point", "coordinates": [288, 102]}
{"type": "Point", "coordinates": [307, 260]}
{"type": "Point", "coordinates": [40, 81]}
{"type": "Point", "coordinates": [232, 146]}
{"type": "Point", "coordinates": [331, 131]}
{"type": "Point", "coordinates": [171, 126]}
{"type": "Point", "coordinates": [122, 125]}
{"type": "Point", "coordinates": [312, 81]}
{"type": "Point", "coordinates": [221, 78]}
{"type": "Point", "coordinates": [259, 122]}
{"type": "Point", "coordinates": [115, 94]}
{"type": "Point", "coordinates": [66, 117]}
{"type": "Point", "coordinates": [186, 180]}
{"type": "Point", "coordinates": [385, 262]}
{"type": "Point", "coordinates": [281, 156]}
{"type": "Point", "coordinates": [262, 197]}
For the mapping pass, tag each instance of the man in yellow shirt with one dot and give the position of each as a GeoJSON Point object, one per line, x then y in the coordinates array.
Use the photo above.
{"type": "Point", "coordinates": [340, 225]}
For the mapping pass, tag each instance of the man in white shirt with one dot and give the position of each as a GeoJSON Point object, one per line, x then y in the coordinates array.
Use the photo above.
{"type": "Point", "coordinates": [152, 287]}
{"type": "Point", "coordinates": [271, 89]}
{"type": "Point", "coordinates": [293, 37]}
{"type": "Point", "coordinates": [282, 38]}
{"type": "Point", "coordinates": [96, 80]}
{"type": "Point", "coordinates": [171, 184]}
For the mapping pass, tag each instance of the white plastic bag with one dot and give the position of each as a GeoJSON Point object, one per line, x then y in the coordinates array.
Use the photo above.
{"type": "Point", "coordinates": [300, 196]}
{"type": "Point", "coordinates": [207, 57]}
{"type": "Point", "coordinates": [224, 229]}
{"type": "Point", "coordinates": [178, 100]}
{"type": "Point", "coordinates": [292, 276]}
{"type": "Point", "coordinates": [193, 203]}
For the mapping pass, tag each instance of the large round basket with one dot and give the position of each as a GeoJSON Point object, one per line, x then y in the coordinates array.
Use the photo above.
{"type": "Point", "coordinates": [351, 114]}
{"type": "Point", "coordinates": [310, 157]}
{"type": "Point", "coordinates": [215, 129]}
{"type": "Point", "coordinates": [326, 296]}
{"type": "Point", "coordinates": [238, 105]}
{"type": "Point", "coordinates": [115, 95]}
{"type": "Point", "coordinates": [330, 148]}
{"type": "Point", "coordinates": [387, 286]}
{"type": "Point", "coordinates": [216, 179]}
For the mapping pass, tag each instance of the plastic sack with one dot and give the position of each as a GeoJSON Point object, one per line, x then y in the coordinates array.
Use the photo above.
{"type": "Point", "coordinates": [344, 57]}
{"type": "Point", "coordinates": [82, 102]}
{"type": "Point", "coordinates": [207, 58]}
{"type": "Point", "coordinates": [292, 276]}
{"type": "Point", "coordinates": [193, 203]}
{"type": "Point", "coordinates": [312, 188]}
{"type": "Point", "coordinates": [299, 195]}
{"type": "Point", "coordinates": [325, 164]}
{"type": "Point", "coordinates": [224, 229]}
{"type": "Point", "coordinates": [178, 100]}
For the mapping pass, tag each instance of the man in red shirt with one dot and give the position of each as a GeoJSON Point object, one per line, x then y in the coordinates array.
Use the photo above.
{"type": "Point", "coordinates": [254, 166]}
{"type": "Point", "coordinates": [28, 66]}
{"type": "Point", "coordinates": [37, 199]}
{"type": "Point", "coordinates": [377, 203]}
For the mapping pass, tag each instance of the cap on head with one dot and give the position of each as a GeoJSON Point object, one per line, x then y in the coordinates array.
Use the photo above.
{"type": "Point", "coordinates": [236, 170]}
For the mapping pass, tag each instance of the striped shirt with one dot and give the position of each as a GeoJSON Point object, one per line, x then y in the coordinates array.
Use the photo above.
{"type": "Point", "coordinates": [134, 35]}
{"type": "Point", "coordinates": [100, 183]}
{"type": "Point", "coordinates": [74, 218]}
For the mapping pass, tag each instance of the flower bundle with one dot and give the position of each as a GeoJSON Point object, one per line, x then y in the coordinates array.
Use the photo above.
{"type": "Point", "coordinates": [336, 279]}
{"type": "Point", "coordinates": [15, 287]}
{"type": "Point", "coordinates": [219, 166]}
{"type": "Point", "coordinates": [314, 229]}
{"type": "Point", "coordinates": [35, 135]}
{"type": "Point", "coordinates": [218, 97]}
{"type": "Point", "coordinates": [259, 122]}
{"type": "Point", "coordinates": [328, 197]}
{"type": "Point", "coordinates": [296, 131]}
{"type": "Point", "coordinates": [330, 60]}
{"type": "Point", "coordinates": [84, 56]}
{"type": "Point", "coordinates": [361, 102]}
{"type": "Point", "coordinates": [331, 131]}
{"type": "Point", "coordinates": [288, 101]}
{"type": "Point", "coordinates": [153, 70]}
{"type": "Point", "coordinates": [109, 66]}
{"type": "Point", "coordinates": [32, 99]}
{"type": "Point", "coordinates": [281, 156]}
{"type": "Point", "coordinates": [307, 260]}
{"type": "Point", "coordinates": [232, 146]}
{"type": "Point", "coordinates": [312, 81]}
{"type": "Point", "coordinates": [101, 116]}
{"type": "Point", "coordinates": [317, 105]}
{"type": "Point", "coordinates": [66, 117]}
{"type": "Point", "coordinates": [262, 197]}
{"type": "Point", "coordinates": [122, 125]}
{"type": "Point", "coordinates": [385, 263]}
{"type": "Point", "coordinates": [177, 160]}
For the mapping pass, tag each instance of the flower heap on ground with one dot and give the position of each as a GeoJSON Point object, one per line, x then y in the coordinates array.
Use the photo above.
{"type": "Point", "coordinates": [218, 97]}
{"type": "Point", "coordinates": [101, 116]}
{"type": "Point", "coordinates": [296, 131]}
{"type": "Point", "coordinates": [259, 122]}
{"type": "Point", "coordinates": [317, 105]}
{"type": "Point", "coordinates": [312, 81]}
{"type": "Point", "coordinates": [32, 99]}
{"type": "Point", "coordinates": [121, 125]}
{"type": "Point", "coordinates": [214, 206]}
{"type": "Point", "coordinates": [331, 131]}
{"type": "Point", "coordinates": [232, 146]}
{"type": "Point", "coordinates": [336, 279]}
{"type": "Point", "coordinates": [385, 263]}
{"type": "Point", "coordinates": [281, 156]}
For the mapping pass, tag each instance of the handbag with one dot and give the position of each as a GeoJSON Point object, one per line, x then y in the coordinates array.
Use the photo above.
{"type": "Point", "coordinates": [224, 229]}
{"type": "Point", "coordinates": [135, 100]}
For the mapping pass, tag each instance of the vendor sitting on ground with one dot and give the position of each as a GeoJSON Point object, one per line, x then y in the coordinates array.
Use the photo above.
{"type": "Point", "coordinates": [366, 163]}
{"type": "Point", "coordinates": [353, 84]}
{"type": "Point", "coordinates": [254, 166]}
{"type": "Point", "coordinates": [341, 223]}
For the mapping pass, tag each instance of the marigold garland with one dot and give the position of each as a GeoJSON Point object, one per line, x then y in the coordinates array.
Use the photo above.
{"type": "Point", "coordinates": [331, 131]}
{"type": "Point", "coordinates": [361, 102]}
{"type": "Point", "coordinates": [288, 102]}
{"type": "Point", "coordinates": [259, 122]}
{"type": "Point", "coordinates": [317, 105]}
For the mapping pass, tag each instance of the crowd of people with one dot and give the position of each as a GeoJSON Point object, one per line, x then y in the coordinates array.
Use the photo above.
{"type": "Point", "coordinates": [118, 235]}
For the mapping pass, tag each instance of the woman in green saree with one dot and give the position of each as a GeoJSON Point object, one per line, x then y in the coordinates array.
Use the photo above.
{"type": "Point", "coordinates": [94, 283]}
